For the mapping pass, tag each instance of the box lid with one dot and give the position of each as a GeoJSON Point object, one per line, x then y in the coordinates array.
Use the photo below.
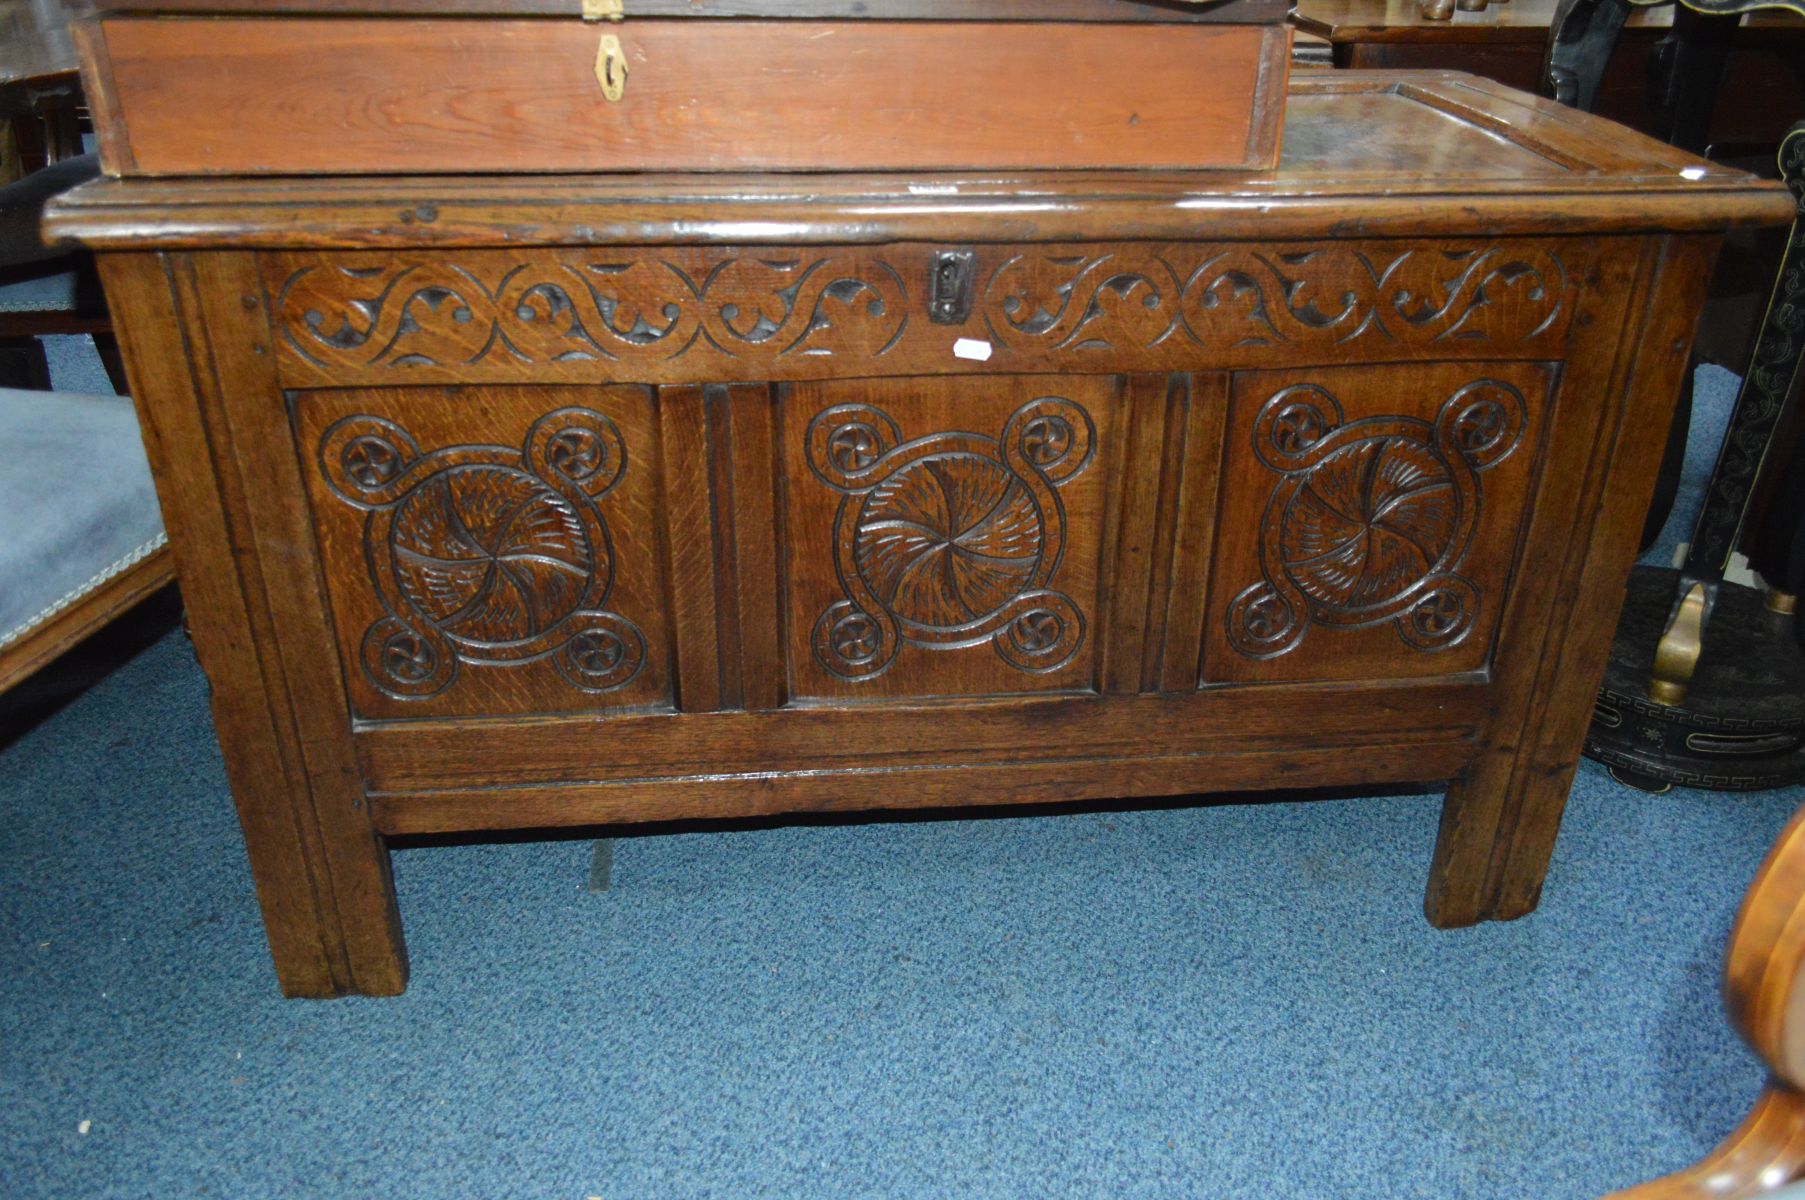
{"type": "Point", "coordinates": [1177, 11]}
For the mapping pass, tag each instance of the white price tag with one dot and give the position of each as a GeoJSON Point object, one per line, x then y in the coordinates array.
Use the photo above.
{"type": "Point", "coordinates": [973, 349]}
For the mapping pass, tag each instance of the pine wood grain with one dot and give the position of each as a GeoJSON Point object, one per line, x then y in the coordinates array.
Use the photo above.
{"type": "Point", "coordinates": [343, 95]}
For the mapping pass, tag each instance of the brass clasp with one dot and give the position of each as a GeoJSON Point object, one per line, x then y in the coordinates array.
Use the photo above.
{"type": "Point", "coordinates": [602, 10]}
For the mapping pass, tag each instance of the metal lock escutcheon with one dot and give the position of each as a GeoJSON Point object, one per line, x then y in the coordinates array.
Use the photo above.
{"type": "Point", "coordinates": [610, 59]}
{"type": "Point", "coordinates": [611, 68]}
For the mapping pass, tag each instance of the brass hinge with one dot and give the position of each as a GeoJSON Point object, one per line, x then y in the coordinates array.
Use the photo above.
{"type": "Point", "coordinates": [603, 10]}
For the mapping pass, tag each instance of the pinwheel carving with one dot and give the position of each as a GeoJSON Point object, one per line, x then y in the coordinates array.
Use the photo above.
{"type": "Point", "coordinates": [950, 540]}
{"type": "Point", "coordinates": [485, 554]}
{"type": "Point", "coordinates": [1371, 520]}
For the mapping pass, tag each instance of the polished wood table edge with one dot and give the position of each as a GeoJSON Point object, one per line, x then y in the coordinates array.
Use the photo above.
{"type": "Point", "coordinates": [1421, 215]}
{"type": "Point", "coordinates": [36, 51]}
{"type": "Point", "coordinates": [111, 217]}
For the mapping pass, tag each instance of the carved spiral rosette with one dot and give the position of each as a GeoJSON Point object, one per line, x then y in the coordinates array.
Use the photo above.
{"type": "Point", "coordinates": [1483, 422]}
{"type": "Point", "coordinates": [853, 643]}
{"type": "Point", "coordinates": [366, 460]}
{"type": "Point", "coordinates": [1371, 519]}
{"type": "Point", "coordinates": [847, 441]}
{"type": "Point", "coordinates": [1051, 437]}
{"type": "Point", "coordinates": [951, 540]}
{"type": "Point", "coordinates": [406, 662]}
{"type": "Point", "coordinates": [1262, 622]}
{"type": "Point", "coordinates": [1442, 615]}
{"type": "Point", "coordinates": [606, 652]}
{"type": "Point", "coordinates": [577, 446]}
{"type": "Point", "coordinates": [1292, 424]}
{"type": "Point", "coordinates": [485, 555]}
{"type": "Point", "coordinates": [1043, 632]}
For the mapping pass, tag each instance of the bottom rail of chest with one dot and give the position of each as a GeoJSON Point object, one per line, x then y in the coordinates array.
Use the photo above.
{"type": "Point", "coordinates": [439, 777]}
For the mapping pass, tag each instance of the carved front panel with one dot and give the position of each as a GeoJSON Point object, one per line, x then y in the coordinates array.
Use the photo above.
{"type": "Point", "coordinates": [489, 551]}
{"type": "Point", "coordinates": [692, 314]}
{"type": "Point", "coordinates": [943, 535]}
{"type": "Point", "coordinates": [1370, 518]}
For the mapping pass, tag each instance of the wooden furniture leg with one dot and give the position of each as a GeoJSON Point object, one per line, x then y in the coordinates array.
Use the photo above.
{"type": "Point", "coordinates": [1765, 1154]}
{"type": "Point", "coordinates": [322, 871]}
{"type": "Point", "coordinates": [1767, 1006]}
{"type": "Point", "coordinates": [1500, 819]}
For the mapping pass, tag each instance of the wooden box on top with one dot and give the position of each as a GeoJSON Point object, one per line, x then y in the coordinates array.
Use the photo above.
{"type": "Point", "coordinates": [432, 86]}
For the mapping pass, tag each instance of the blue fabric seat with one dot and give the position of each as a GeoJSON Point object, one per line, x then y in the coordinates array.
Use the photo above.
{"type": "Point", "coordinates": [77, 508]}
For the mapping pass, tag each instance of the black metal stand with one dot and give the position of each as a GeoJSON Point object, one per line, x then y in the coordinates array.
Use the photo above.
{"type": "Point", "coordinates": [1706, 686]}
{"type": "Point", "coordinates": [1741, 726]}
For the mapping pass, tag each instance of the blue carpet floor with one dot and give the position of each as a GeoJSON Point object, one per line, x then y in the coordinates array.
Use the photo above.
{"type": "Point", "coordinates": [1222, 1001]}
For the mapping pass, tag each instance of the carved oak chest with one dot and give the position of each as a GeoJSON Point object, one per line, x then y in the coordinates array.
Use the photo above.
{"type": "Point", "coordinates": [509, 502]}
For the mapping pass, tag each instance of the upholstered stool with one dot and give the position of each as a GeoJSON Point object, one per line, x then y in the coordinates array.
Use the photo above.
{"type": "Point", "coordinates": [81, 537]}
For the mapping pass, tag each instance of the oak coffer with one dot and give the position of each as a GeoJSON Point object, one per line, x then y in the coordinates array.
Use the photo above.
{"type": "Point", "coordinates": [514, 501]}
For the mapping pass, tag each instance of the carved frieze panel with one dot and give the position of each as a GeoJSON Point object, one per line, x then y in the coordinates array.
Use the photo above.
{"type": "Point", "coordinates": [691, 314]}
{"type": "Point", "coordinates": [1239, 299]}
{"type": "Point", "coordinates": [1371, 516]}
{"type": "Point", "coordinates": [487, 552]}
{"type": "Point", "coordinates": [943, 534]}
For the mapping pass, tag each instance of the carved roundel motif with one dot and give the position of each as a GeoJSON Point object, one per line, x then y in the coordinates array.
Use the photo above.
{"type": "Point", "coordinates": [492, 555]}
{"type": "Point", "coordinates": [1368, 522]}
{"type": "Point", "coordinates": [1371, 519]}
{"type": "Point", "coordinates": [487, 555]}
{"type": "Point", "coordinates": [950, 540]}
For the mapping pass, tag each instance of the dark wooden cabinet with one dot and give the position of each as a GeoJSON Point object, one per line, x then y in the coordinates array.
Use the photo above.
{"type": "Point", "coordinates": [508, 502]}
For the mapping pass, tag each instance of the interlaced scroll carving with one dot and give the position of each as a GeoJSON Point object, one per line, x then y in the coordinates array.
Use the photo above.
{"type": "Point", "coordinates": [487, 554]}
{"type": "Point", "coordinates": [674, 314]}
{"type": "Point", "coordinates": [951, 540]}
{"type": "Point", "coordinates": [1371, 520]}
{"type": "Point", "coordinates": [449, 310]}
{"type": "Point", "coordinates": [1238, 296]}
